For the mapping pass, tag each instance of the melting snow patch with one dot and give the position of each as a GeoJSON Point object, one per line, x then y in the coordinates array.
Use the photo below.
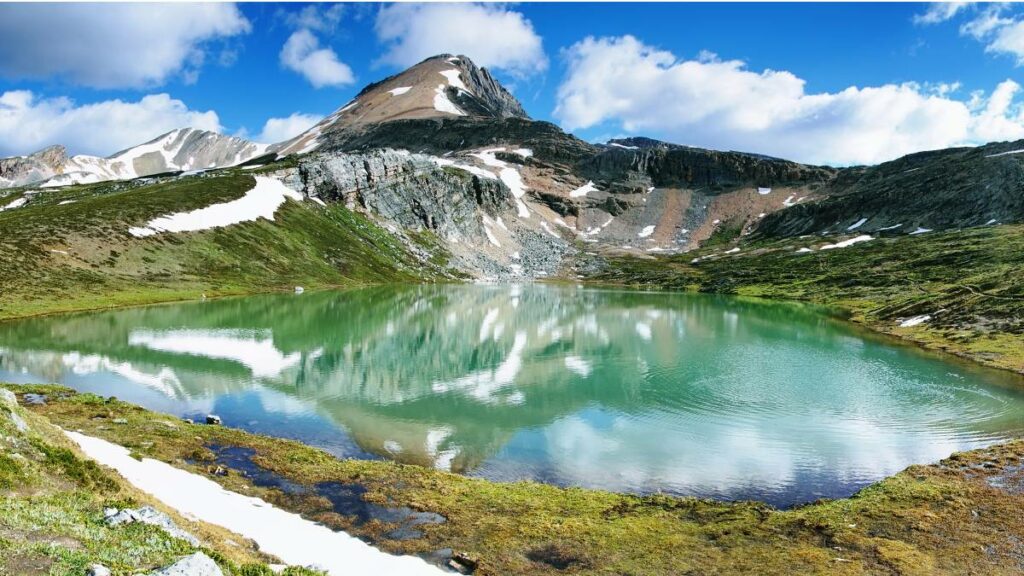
{"type": "Point", "coordinates": [647, 231]}
{"type": "Point", "coordinates": [400, 90]}
{"type": "Point", "coordinates": [253, 167]}
{"type": "Point", "coordinates": [1006, 153]}
{"type": "Point", "coordinates": [915, 321]}
{"type": "Point", "coordinates": [804, 250]}
{"type": "Point", "coordinates": [14, 204]}
{"type": "Point", "coordinates": [454, 79]}
{"type": "Point", "coordinates": [733, 251]}
{"type": "Point", "coordinates": [764, 191]}
{"type": "Point", "coordinates": [893, 227]}
{"type": "Point", "coordinates": [990, 222]}
{"type": "Point", "coordinates": [260, 202]}
{"type": "Point", "coordinates": [288, 536]}
{"type": "Point", "coordinates": [548, 229]}
{"type": "Point", "coordinates": [471, 169]}
{"type": "Point", "coordinates": [623, 146]}
{"type": "Point", "coordinates": [524, 152]}
{"type": "Point", "coordinates": [443, 104]}
{"type": "Point", "coordinates": [857, 224]}
{"type": "Point", "coordinates": [850, 242]}
{"type": "Point", "coordinates": [920, 230]}
{"type": "Point", "coordinates": [789, 201]}
{"type": "Point", "coordinates": [583, 190]}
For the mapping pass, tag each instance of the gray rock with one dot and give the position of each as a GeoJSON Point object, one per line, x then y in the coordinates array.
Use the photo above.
{"type": "Point", "coordinates": [148, 515]}
{"type": "Point", "coordinates": [97, 570]}
{"type": "Point", "coordinates": [19, 423]}
{"type": "Point", "coordinates": [197, 564]}
{"type": "Point", "coordinates": [7, 398]}
{"type": "Point", "coordinates": [213, 419]}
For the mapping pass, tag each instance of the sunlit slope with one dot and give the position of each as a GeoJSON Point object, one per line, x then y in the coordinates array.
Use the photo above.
{"type": "Point", "coordinates": [72, 248]}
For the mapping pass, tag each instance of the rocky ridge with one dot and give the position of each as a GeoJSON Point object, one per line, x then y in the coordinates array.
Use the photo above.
{"type": "Point", "coordinates": [181, 150]}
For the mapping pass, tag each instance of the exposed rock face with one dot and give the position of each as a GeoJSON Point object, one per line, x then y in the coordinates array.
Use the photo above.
{"type": "Point", "coordinates": [636, 161]}
{"type": "Point", "coordinates": [407, 189]}
{"type": "Point", "coordinates": [475, 215]}
{"type": "Point", "coordinates": [40, 165]}
{"type": "Point", "coordinates": [441, 135]}
{"type": "Point", "coordinates": [930, 190]}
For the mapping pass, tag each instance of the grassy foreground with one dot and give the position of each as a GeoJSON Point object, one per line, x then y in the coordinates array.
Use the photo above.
{"type": "Point", "coordinates": [963, 515]}
{"type": "Point", "coordinates": [51, 513]}
{"type": "Point", "coordinates": [971, 283]}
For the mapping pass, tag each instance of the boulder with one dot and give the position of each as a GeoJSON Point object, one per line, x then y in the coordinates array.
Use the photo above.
{"type": "Point", "coordinates": [197, 564]}
{"type": "Point", "coordinates": [97, 570]}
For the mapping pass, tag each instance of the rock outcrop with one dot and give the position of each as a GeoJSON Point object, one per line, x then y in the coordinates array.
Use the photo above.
{"type": "Point", "coordinates": [945, 189]}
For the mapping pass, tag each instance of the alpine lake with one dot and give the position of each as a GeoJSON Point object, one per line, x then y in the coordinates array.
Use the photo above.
{"type": "Point", "coordinates": [627, 391]}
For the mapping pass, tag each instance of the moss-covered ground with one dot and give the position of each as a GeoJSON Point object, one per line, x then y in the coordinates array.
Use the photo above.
{"type": "Point", "coordinates": [971, 283]}
{"type": "Point", "coordinates": [51, 513]}
{"type": "Point", "coordinates": [961, 516]}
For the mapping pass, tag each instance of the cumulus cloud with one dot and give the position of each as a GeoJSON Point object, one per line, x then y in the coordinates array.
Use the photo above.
{"type": "Point", "coordinates": [302, 52]}
{"type": "Point", "coordinates": [621, 83]}
{"type": "Point", "coordinates": [280, 129]}
{"type": "Point", "coordinates": [940, 12]}
{"type": "Point", "coordinates": [29, 123]}
{"type": "Point", "coordinates": [114, 45]}
{"type": "Point", "coordinates": [490, 34]}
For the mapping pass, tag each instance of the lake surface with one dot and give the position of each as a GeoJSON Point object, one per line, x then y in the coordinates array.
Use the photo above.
{"type": "Point", "coordinates": [627, 391]}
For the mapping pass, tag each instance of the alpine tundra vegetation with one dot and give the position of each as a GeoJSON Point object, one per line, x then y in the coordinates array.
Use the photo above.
{"type": "Point", "coordinates": [425, 333]}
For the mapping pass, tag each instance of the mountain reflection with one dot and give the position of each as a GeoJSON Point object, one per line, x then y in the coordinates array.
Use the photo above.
{"type": "Point", "coordinates": [612, 389]}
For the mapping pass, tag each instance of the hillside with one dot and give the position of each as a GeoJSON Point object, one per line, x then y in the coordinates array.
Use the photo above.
{"type": "Point", "coordinates": [437, 173]}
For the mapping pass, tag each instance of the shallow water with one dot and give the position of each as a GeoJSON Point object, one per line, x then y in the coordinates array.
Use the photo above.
{"type": "Point", "coordinates": [628, 391]}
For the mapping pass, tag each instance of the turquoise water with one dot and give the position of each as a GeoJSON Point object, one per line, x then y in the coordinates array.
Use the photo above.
{"type": "Point", "coordinates": [626, 391]}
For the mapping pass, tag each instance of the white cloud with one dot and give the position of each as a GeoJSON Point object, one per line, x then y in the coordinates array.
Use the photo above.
{"type": "Point", "coordinates": [113, 45]}
{"type": "Point", "coordinates": [622, 83]}
{"type": "Point", "coordinates": [280, 129]}
{"type": "Point", "coordinates": [302, 53]}
{"type": "Point", "coordinates": [1001, 33]}
{"type": "Point", "coordinates": [29, 123]}
{"type": "Point", "coordinates": [940, 12]}
{"type": "Point", "coordinates": [316, 18]}
{"type": "Point", "coordinates": [490, 34]}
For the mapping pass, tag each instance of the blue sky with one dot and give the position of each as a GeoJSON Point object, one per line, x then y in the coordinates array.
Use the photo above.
{"type": "Point", "coordinates": [826, 83]}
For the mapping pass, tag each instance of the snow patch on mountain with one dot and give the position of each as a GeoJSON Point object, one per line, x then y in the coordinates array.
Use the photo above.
{"type": "Point", "coordinates": [262, 201]}
{"type": "Point", "coordinates": [583, 190]}
{"type": "Point", "coordinates": [846, 243]}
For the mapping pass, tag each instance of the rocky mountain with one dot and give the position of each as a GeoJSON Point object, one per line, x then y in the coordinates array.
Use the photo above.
{"type": "Point", "coordinates": [444, 86]}
{"type": "Point", "coordinates": [443, 147]}
{"type": "Point", "coordinates": [938, 190]}
{"type": "Point", "coordinates": [181, 150]}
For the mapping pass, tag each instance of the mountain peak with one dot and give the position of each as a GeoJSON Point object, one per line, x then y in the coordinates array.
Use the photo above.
{"type": "Point", "coordinates": [442, 86]}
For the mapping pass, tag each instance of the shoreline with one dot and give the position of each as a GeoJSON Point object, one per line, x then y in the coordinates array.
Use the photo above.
{"type": "Point", "coordinates": [524, 527]}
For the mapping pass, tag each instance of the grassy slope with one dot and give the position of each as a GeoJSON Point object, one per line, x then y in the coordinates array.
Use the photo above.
{"type": "Point", "coordinates": [56, 257]}
{"type": "Point", "coordinates": [970, 281]}
{"type": "Point", "coordinates": [950, 518]}
{"type": "Point", "coordinates": [51, 512]}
